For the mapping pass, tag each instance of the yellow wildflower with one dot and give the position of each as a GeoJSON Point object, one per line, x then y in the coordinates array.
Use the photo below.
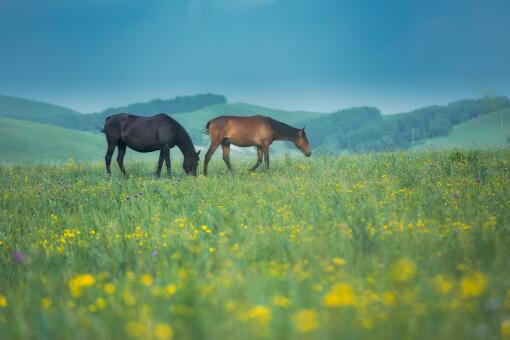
{"type": "Point", "coordinates": [388, 298]}
{"type": "Point", "coordinates": [135, 328]}
{"type": "Point", "coordinates": [403, 270]}
{"type": "Point", "coordinates": [474, 285]}
{"type": "Point", "coordinates": [46, 303]}
{"type": "Point", "coordinates": [305, 320]}
{"type": "Point", "coordinates": [3, 301]}
{"type": "Point", "coordinates": [338, 261]}
{"type": "Point", "coordinates": [340, 295]}
{"type": "Point", "coordinates": [77, 283]}
{"type": "Point", "coordinates": [505, 329]}
{"type": "Point", "coordinates": [262, 315]}
{"type": "Point", "coordinates": [442, 284]}
{"type": "Point", "coordinates": [101, 303]}
{"type": "Point", "coordinates": [163, 331]}
{"type": "Point", "coordinates": [109, 288]}
{"type": "Point", "coordinates": [129, 299]}
{"type": "Point", "coordinates": [147, 280]}
{"type": "Point", "coordinates": [280, 301]}
{"type": "Point", "coordinates": [170, 290]}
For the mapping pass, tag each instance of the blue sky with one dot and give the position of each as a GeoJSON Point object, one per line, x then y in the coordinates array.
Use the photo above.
{"type": "Point", "coordinates": [293, 54]}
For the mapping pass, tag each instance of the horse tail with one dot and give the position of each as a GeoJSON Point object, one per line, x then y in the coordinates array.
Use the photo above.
{"type": "Point", "coordinates": [206, 131]}
{"type": "Point", "coordinates": [101, 129]}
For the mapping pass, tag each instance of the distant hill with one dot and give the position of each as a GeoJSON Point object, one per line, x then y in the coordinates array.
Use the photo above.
{"type": "Point", "coordinates": [36, 111]}
{"type": "Point", "coordinates": [491, 130]}
{"type": "Point", "coordinates": [41, 132]}
{"type": "Point", "coordinates": [366, 129]}
{"type": "Point", "coordinates": [178, 104]}
{"type": "Point", "coordinates": [24, 109]}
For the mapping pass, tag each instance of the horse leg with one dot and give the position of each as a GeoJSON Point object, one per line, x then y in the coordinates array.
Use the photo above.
{"type": "Point", "coordinates": [166, 154]}
{"type": "Point", "coordinates": [265, 148]}
{"type": "Point", "coordinates": [208, 156]}
{"type": "Point", "coordinates": [160, 164]}
{"type": "Point", "coordinates": [108, 157]}
{"type": "Point", "coordinates": [259, 159]}
{"type": "Point", "coordinates": [120, 158]}
{"type": "Point", "coordinates": [226, 155]}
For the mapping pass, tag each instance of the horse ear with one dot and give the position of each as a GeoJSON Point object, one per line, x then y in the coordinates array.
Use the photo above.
{"type": "Point", "coordinates": [198, 153]}
{"type": "Point", "coordinates": [303, 129]}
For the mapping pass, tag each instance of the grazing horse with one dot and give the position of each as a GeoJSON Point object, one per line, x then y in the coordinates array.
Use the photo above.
{"type": "Point", "coordinates": [146, 134]}
{"type": "Point", "coordinates": [259, 131]}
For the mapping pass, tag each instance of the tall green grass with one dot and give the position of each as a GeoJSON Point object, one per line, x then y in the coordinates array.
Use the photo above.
{"type": "Point", "coordinates": [394, 245]}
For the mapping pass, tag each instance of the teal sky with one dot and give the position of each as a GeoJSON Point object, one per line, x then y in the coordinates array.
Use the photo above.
{"type": "Point", "coordinates": [292, 54]}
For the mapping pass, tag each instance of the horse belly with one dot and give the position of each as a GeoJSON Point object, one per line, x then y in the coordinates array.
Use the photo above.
{"type": "Point", "coordinates": [145, 148]}
{"type": "Point", "coordinates": [141, 143]}
{"type": "Point", "coordinates": [245, 138]}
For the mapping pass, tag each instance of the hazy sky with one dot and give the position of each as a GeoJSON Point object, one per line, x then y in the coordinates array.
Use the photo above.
{"type": "Point", "coordinates": [294, 54]}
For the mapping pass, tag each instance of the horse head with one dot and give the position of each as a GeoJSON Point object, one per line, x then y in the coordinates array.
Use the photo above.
{"type": "Point", "coordinates": [302, 143]}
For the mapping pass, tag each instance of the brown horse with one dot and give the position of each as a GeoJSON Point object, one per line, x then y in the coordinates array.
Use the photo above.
{"type": "Point", "coordinates": [259, 131]}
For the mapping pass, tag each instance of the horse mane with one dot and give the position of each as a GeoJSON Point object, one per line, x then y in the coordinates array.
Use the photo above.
{"type": "Point", "coordinates": [282, 129]}
{"type": "Point", "coordinates": [184, 139]}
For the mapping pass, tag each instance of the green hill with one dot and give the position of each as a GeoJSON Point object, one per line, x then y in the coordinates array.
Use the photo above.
{"type": "Point", "coordinates": [23, 141]}
{"type": "Point", "coordinates": [242, 109]}
{"type": "Point", "coordinates": [175, 105]}
{"type": "Point", "coordinates": [25, 109]}
{"type": "Point", "coordinates": [492, 130]}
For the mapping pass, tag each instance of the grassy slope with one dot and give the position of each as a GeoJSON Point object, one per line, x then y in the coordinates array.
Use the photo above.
{"type": "Point", "coordinates": [30, 141]}
{"type": "Point", "coordinates": [482, 131]}
{"type": "Point", "coordinates": [22, 141]}
{"type": "Point", "coordinates": [32, 110]}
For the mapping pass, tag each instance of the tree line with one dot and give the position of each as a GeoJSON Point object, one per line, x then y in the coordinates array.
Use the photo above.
{"type": "Point", "coordinates": [366, 129]}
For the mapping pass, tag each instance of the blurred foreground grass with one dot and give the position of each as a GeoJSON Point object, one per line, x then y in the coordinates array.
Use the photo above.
{"type": "Point", "coordinates": [394, 245]}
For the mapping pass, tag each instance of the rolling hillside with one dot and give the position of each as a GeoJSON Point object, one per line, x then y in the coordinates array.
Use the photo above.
{"type": "Point", "coordinates": [31, 142]}
{"type": "Point", "coordinates": [31, 110]}
{"type": "Point", "coordinates": [27, 141]}
{"type": "Point", "coordinates": [23, 141]}
{"type": "Point", "coordinates": [200, 117]}
{"type": "Point", "coordinates": [490, 130]}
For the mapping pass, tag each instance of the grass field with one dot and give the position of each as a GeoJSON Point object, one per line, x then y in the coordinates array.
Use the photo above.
{"type": "Point", "coordinates": [381, 246]}
{"type": "Point", "coordinates": [491, 130]}
{"type": "Point", "coordinates": [24, 141]}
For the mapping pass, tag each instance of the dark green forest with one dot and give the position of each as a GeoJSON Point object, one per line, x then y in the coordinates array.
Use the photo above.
{"type": "Point", "coordinates": [366, 129]}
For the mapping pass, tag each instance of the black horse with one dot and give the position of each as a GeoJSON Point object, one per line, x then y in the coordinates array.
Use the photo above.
{"type": "Point", "coordinates": [147, 134]}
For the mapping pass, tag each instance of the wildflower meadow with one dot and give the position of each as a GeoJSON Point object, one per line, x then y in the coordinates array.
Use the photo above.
{"type": "Point", "coordinates": [400, 245]}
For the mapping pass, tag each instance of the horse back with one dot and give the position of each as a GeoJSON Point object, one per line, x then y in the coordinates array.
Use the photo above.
{"type": "Point", "coordinates": [241, 130]}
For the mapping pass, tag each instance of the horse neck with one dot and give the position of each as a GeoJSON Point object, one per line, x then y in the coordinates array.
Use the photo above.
{"type": "Point", "coordinates": [185, 144]}
{"type": "Point", "coordinates": [283, 131]}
